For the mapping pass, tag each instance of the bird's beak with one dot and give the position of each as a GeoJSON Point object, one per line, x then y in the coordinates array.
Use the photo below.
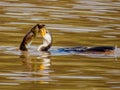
{"type": "Point", "coordinates": [43, 32]}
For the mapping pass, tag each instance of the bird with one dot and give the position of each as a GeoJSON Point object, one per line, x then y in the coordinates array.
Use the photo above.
{"type": "Point", "coordinates": [39, 29]}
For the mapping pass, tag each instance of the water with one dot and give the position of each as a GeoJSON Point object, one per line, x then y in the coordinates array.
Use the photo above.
{"type": "Point", "coordinates": [72, 23]}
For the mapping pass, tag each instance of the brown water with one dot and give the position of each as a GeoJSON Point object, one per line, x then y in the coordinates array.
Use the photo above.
{"type": "Point", "coordinates": [72, 23]}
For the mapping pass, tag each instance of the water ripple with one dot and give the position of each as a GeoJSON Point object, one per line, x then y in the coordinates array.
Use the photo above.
{"type": "Point", "coordinates": [8, 28]}
{"type": "Point", "coordinates": [79, 77]}
{"type": "Point", "coordinates": [10, 83]}
{"type": "Point", "coordinates": [15, 4]}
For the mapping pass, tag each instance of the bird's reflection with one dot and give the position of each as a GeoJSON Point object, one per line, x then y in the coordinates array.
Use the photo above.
{"type": "Point", "coordinates": [26, 60]}
{"type": "Point", "coordinates": [37, 66]}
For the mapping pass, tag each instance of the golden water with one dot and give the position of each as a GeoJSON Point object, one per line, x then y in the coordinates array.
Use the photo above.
{"type": "Point", "coordinates": [72, 23]}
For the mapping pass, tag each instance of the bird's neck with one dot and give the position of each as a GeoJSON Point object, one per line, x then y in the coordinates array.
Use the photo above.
{"type": "Point", "coordinates": [47, 42]}
{"type": "Point", "coordinates": [47, 39]}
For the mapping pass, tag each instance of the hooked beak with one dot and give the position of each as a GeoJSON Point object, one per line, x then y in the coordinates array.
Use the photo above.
{"type": "Point", "coordinates": [43, 32]}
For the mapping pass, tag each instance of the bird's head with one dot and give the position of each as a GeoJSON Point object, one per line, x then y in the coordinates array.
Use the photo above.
{"type": "Point", "coordinates": [42, 30]}
{"type": "Point", "coordinates": [39, 29]}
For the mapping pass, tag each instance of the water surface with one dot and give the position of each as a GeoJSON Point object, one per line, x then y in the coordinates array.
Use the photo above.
{"type": "Point", "coordinates": [72, 23]}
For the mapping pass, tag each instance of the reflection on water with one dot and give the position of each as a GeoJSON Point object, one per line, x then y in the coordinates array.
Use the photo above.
{"type": "Point", "coordinates": [72, 23]}
{"type": "Point", "coordinates": [40, 70]}
{"type": "Point", "coordinates": [37, 69]}
{"type": "Point", "coordinates": [26, 59]}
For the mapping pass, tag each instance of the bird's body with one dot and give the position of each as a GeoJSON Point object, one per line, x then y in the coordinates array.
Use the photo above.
{"type": "Point", "coordinates": [92, 49]}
